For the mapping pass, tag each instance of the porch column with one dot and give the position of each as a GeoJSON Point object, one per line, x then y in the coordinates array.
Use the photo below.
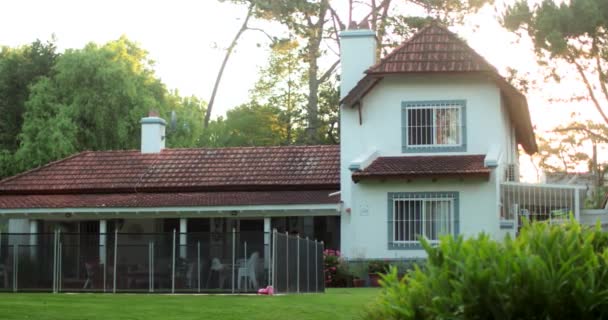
{"type": "Point", "coordinates": [183, 229]}
{"type": "Point", "coordinates": [33, 239]}
{"type": "Point", "coordinates": [103, 229]}
{"type": "Point", "coordinates": [267, 243]}
{"type": "Point", "coordinates": [577, 205]}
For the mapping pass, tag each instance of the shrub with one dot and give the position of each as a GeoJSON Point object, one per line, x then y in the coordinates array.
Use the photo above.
{"type": "Point", "coordinates": [336, 271]}
{"type": "Point", "coordinates": [378, 266]}
{"type": "Point", "coordinates": [547, 272]}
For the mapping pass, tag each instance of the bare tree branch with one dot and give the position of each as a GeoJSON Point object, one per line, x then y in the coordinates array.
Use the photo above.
{"type": "Point", "coordinates": [329, 71]}
{"type": "Point", "coordinates": [220, 73]}
{"type": "Point", "coordinates": [600, 71]}
{"type": "Point", "coordinates": [581, 72]}
{"type": "Point", "coordinates": [374, 10]}
{"type": "Point", "coordinates": [271, 38]}
{"type": "Point", "coordinates": [582, 129]}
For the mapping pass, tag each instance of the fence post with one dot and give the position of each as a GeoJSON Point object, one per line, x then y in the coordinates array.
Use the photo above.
{"type": "Point", "coordinates": [115, 258]}
{"type": "Point", "coordinates": [198, 264]}
{"type": "Point", "coordinates": [15, 266]}
{"type": "Point", "coordinates": [173, 265]}
{"type": "Point", "coordinates": [153, 271]}
{"type": "Point", "coordinates": [323, 266]}
{"type": "Point", "coordinates": [298, 263]}
{"type": "Point", "coordinates": [246, 266]}
{"type": "Point", "coordinates": [59, 261]}
{"type": "Point", "coordinates": [233, 255]}
{"type": "Point", "coordinates": [150, 274]}
{"type": "Point", "coordinates": [274, 258]}
{"type": "Point", "coordinates": [308, 261]}
{"type": "Point", "coordinates": [55, 261]}
{"type": "Point", "coordinates": [287, 261]}
{"type": "Point", "coordinates": [316, 266]}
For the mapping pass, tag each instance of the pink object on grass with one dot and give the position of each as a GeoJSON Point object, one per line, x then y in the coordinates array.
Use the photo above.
{"type": "Point", "coordinates": [267, 291]}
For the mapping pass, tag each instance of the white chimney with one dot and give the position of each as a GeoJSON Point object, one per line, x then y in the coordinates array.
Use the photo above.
{"type": "Point", "coordinates": [152, 133]}
{"type": "Point", "coordinates": [357, 54]}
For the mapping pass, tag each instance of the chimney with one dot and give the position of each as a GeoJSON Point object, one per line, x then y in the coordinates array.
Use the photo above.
{"type": "Point", "coordinates": [152, 133]}
{"type": "Point", "coordinates": [357, 54]}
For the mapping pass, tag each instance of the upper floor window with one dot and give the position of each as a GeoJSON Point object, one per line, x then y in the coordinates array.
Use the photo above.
{"type": "Point", "coordinates": [434, 126]}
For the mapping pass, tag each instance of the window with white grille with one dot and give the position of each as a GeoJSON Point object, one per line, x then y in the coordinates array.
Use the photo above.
{"type": "Point", "coordinates": [434, 124]}
{"type": "Point", "coordinates": [412, 215]}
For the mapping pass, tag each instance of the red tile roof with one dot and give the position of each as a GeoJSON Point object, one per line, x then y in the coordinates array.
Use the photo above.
{"type": "Point", "coordinates": [433, 49]}
{"type": "Point", "coordinates": [437, 50]}
{"type": "Point", "coordinates": [424, 166]}
{"type": "Point", "coordinates": [185, 170]}
{"type": "Point", "coordinates": [189, 199]}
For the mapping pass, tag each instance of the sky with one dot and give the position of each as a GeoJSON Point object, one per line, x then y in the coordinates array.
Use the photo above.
{"type": "Point", "coordinates": [187, 38]}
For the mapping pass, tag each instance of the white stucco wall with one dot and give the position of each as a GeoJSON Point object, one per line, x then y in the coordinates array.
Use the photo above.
{"type": "Point", "coordinates": [487, 124]}
{"type": "Point", "coordinates": [365, 231]}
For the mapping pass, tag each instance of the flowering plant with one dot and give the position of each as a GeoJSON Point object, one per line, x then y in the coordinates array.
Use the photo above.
{"type": "Point", "coordinates": [334, 267]}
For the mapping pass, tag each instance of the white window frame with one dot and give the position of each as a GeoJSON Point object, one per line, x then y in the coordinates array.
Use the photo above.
{"type": "Point", "coordinates": [424, 201]}
{"type": "Point", "coordinates": [434, 108]}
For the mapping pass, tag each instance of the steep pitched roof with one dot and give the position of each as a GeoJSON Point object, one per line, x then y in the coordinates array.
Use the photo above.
{"type": "Point", "coordinates": [436, 50]}
{"type": "Point", "coordinates": [184, 170]}
{"type": "Point", "coordinates": [424, 166]}
{"type": "Point", "coordinates": [433, 49]}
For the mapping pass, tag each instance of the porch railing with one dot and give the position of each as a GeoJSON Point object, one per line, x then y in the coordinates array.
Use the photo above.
{"type": "Point", "coordinates": [229, 262]}
{"type": "Point", "coordinates": [538, 202]}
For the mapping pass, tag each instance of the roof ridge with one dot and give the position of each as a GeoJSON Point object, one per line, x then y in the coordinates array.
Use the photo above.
{"type": "Point", "coordinates": [52, 163]}
{"type": "Point", "coordinates": [399, 47]}
{"type": "Point", "coordinates": [254, 147]}
{"type": "Point", "coordinates": [452, 35]}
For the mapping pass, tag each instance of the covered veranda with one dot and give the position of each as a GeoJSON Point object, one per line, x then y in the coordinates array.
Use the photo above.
{"type": "Point", "coordinates": [155, 249]}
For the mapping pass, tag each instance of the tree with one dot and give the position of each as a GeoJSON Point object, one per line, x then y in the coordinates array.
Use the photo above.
{"type": "Point", "coordinates": [247, 125]}
{"type": "Point", "coordinates": [185, 125]}
{"type": "Point", "coordinates": [282, 84]}
{"type": "Point", "coordinates": [316, 25]}
{"type": "Point", "coordinates": [93, 100]}
{"type": "Point", "coordinates": [570, 36]}
{"type": "Point", "coordinates": [19, 68]}
{"type": "Point", "coordinates": [562, 151]}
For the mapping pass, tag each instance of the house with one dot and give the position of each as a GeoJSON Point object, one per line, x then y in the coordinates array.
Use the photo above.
{"type": "Point", "coordinates": [429, 146]}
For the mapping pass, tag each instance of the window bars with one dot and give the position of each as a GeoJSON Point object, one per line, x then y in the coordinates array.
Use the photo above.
{"type": "Point", "coordinates": [415, 215]}
{"type": "Point", "coordinates": [434, 124]}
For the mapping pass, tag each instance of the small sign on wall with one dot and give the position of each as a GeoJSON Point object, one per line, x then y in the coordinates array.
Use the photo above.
{"type": "Point", "coordinates": [364, 210]}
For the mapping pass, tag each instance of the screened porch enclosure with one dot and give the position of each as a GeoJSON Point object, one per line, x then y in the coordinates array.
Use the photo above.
{"type": "Point", "coordinates": [539, 202]}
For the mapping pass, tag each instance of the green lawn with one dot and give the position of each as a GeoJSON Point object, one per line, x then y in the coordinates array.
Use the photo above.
{"type": "Point", "coordinates": [335, 304]}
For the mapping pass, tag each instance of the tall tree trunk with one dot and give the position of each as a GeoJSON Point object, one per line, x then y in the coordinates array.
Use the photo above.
{"type": "Point", "coordinates": [313, 54]}
{"type": "Point", "coordinates": [220, 73]}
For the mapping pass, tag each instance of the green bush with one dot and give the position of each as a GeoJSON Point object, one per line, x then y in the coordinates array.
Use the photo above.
{"type": "Point", "coordinates": [547, 272]}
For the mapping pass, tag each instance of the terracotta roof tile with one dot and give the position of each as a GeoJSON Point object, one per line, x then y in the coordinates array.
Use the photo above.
{"type": "Point", "coordinates": [184, 170]}
{"type": "Point", "coordinates": [423, 166]}
{"type": "Point", "coordinates": [143, 200]}
{"type": "Point", "coordinates": [433, 49]}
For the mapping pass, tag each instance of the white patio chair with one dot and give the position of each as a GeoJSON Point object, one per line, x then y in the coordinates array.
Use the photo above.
{"type": "Point", "coordinates": [218, 267]}
{"type": "Point", "coordinates": [248, 271]}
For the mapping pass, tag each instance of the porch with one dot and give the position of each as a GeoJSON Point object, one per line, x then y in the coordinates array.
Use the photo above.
{"type": "Point", "coordinates": [539, 202]}
{"type": "Point", "coordinates": [211, 262]}
{"type": "Point", "coordinates": [165, 250]}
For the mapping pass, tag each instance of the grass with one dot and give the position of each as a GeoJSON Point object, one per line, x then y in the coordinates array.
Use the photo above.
{"type": "Point", "coordinates": [335, 304]}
